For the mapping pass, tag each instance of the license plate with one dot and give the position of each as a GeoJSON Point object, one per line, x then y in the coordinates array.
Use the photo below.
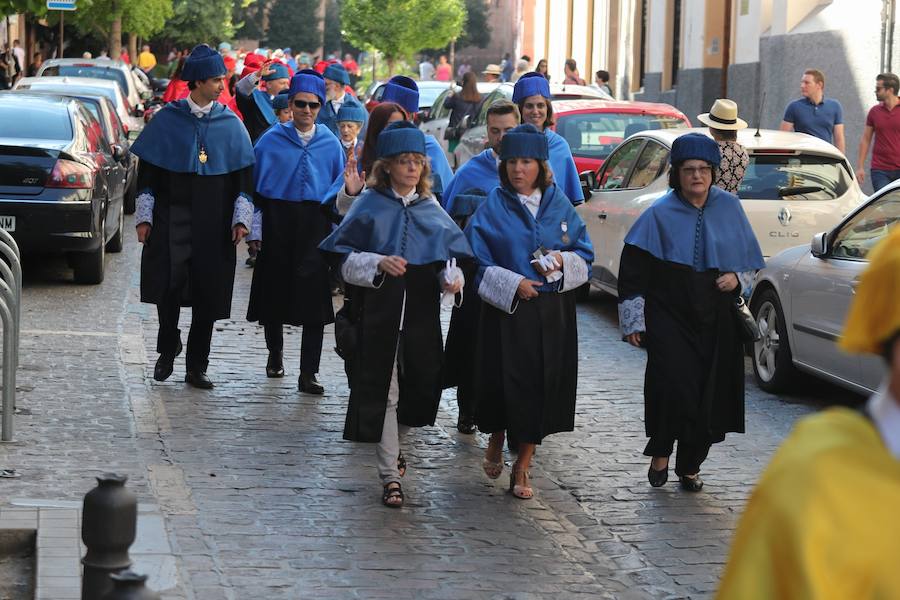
{"type": "Point", "coordinates": [8, 223]}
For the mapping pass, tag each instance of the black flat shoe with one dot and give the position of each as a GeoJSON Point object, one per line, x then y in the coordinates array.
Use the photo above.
{"type": "Point", "coordinates": [198, 379]}
{"type": "Point", "coordinates": [465, 424]}
{"type": "Point", "coordinates": [691, 484]}
{"type": "Point", "coordinates": [165, 363]}
{"type": "Point", "coordinates": [658, 478]}
{"type": "Point", "coordinates": [275, 366]}
{"type": "Point", "coordinates": [308, 384]}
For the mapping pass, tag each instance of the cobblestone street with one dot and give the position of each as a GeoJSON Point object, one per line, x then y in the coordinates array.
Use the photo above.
{"type": "Point", "coordinates": [261, 497]}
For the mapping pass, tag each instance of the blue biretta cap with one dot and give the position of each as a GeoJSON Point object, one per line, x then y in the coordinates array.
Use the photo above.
{"type": "Point", "coordinates": [280, 101]}
{"type": "Point", "coordinates": [531, 84]}
{"type": "Point", "coordinates": [398, 138]}
{"type": "Point", "coordinates": [695, 146]}
{"type": "Point", "coordinates": [308, 81]}
{"type": "Point", "coordinates": [404, 92]}
{"type": "Point", "coordinates": [202, 63]}
{"type": "Point", "coordinates": [524, 141]}
{"type": "Point", "coordinates": [279, 71]}
{"type": "Point", "coordinates": [351, 112]}
{"type": "Point", "coordinates": [337, 72]}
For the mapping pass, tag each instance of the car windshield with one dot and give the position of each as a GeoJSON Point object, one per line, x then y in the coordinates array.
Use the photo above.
{"type": "Point", "coordinates": [428, 94]}
{"type": "Point", "coordinates": [88, 71]}
{"type": "Point", "coordinates": [65, 90]}
{"type": "Point", "coordinates": [867, 228]}
{"type": "Point", "coordinates": [35, 121]}
{"type": "Point", "coordinates": [794, 177]}
{"type": "Point", "coordinates": [597, 134]}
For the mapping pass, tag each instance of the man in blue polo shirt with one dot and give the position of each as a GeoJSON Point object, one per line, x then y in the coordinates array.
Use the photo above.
{"type": "Point", "coordinates": [814, 113]}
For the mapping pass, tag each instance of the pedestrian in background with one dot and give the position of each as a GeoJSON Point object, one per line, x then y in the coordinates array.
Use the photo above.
{"type": "Point", "coordinates": [685, 261]}
{"type": "Point", "coordinates": [532, 94]}
{"type": "Point", "coordinates": [444, 70]}
{"type": "Point", "coordinates": [815, 114]}
{"type": "Point", "coordinates": [541, 69]}
{"type": "Point", "coordinates": [178, 87]}
{"type": "Point", "coordinates": [296, 164]}
{"type": "Point", "coordinates": [461, 105]}
{"type": "Point", "coordinates": [146, 59]}
{"type": "Point", "coordinates": [350, 121]}
{"type": "Point", "coordinates": [822, 522]}
{"type": "Point", "coordinates": [521, 69]}
{"type": "Point", "coordinates": [884, 123]}
{"type": "Point", "coordinates": [336, 81]}
{"type": "Point", "coordinates": [723, 122]}
{"type": "Point", "coordinates": [195, 185]}
{"type": "Point", "coordinates": [426, 69]}
{"type": "Point", "coordinates": [254, 103]}
{"type": "Point", "coordinates": [601, 81]}
{"type": "Point", "coordinates": [571, 71]}
{"type": "Point", "coordinates": [394, 246]}
{"type": "Point", "coordinates": [533, 251]}
{"type": "Point", "coordinates": [35, 65]}
{"type": "Point", "coordinates": [282, 106]}
{"type": "Point", "coordinates": [506, 67]}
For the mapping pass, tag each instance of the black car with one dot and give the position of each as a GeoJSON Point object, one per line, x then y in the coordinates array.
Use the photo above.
{"type": "Point", "coordinates": [61, 183]}
{"type": "Point", "coordinates": [105, 112]}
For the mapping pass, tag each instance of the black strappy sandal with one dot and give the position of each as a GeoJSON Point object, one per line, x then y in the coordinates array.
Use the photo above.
{"type": "Point", "coordinates": [392, 493]}
{"type": "Point", "coordinates": [401, 465]}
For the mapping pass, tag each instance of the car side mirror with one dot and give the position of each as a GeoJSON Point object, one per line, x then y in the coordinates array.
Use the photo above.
{"type": "Point", "coordinates": [588, 182]}
{"type": "Point", "coordinates": [819, 245]}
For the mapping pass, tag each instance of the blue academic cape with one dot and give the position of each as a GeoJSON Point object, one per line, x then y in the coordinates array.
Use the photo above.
{"type": "Point", "coordinates": [378, 222]}
{"type": "Point", "coordinates": [328, 117]}
{"type": "Point", "coordinates": [173, 138]}
{"type": "Point", "coordinates": [471, 184]}
{"type": "Point", "coordinates": [441, 173]}
{"type": "Point", "coordinates": [503, 233]}
{"type": "Point", "coordinates": [565, 174]}
{"type": "Point", "coordinates": [718, 236]}
{"type": "Point", "coordinates": [264, 103]}
{"type": "Point", "coordinates": [286, 169]}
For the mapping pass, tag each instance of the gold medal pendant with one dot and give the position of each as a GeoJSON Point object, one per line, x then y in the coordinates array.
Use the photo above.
{"type": "Point", "coordinates": [203, 156]}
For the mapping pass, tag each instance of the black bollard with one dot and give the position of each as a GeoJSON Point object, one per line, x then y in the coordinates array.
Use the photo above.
{"type": "Point", "coordinates": [128, 585]}
{"type": "Point", "coordinates": [108, 528]}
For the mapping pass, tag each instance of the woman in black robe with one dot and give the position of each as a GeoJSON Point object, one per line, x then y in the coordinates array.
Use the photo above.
{"type": "Point", "coordinates": [685, 262]}
{"type": "Point", "coordinates": [395, 245]}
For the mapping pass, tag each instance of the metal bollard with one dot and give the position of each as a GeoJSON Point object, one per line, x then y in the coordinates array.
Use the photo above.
{"type": "Point", "coordinates": [10, 312]}
{"type": "Point", "coordinates": [128, 585]}
{"type": "Point", "coordinates": [108, 528]}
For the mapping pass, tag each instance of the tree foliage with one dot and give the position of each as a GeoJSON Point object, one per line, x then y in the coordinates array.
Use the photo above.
{"type": "Point", "coordinates": [141, 17]}
{"type": "Point", "coordinates": [195, 22]}
{"type": "Point", "coordinates": [34, 7]}
{"type": "Point", "coordinates": [294, 24]}
{"type": "Point", "coordinates": [478, 29]}
{"type": "Point", "coordinates": [400, 28]}
{"type": "Point", "coordinates": [247, 18]}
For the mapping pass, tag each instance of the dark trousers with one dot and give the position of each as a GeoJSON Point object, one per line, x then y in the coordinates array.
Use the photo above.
{"type": "Point", "coordinates": [881, 177]}
{"type": "Point", "coordinates": [310, 344]}
{"type": "Point", "coordinates": [199, 337]}
{"type": "Point", "coordinates": [689, 458]}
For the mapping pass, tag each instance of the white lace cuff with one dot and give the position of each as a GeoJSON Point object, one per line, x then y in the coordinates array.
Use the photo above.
{"type": "Point", "coordinates": [144, 203]}
{"type": "Point", "coordinates": [361, 268]}
{"type": "Point", "coordinates": [575, 271]}
{"type": "Point", "coordinates": [344, 200]}
{"type": "Point", "coordinates": [631, 315]}
{"type": "Point", "coordinates": [746, 279]}
{"type": "Point", "coordinates": [256, 229]}
{"type": "Point", "coordinates": [498, 288]}
{"type": "Point", "coordinates": [243, 212]}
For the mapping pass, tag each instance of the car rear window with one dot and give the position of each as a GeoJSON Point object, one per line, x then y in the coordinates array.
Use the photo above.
{"type": "Point", "coordinates": [597, 134]}
{"type": "Point", "coordinates": [794, 177]}
{"type": "Point", "coordinates": [35, 120]}
{"type": "Point", "coordinates": [88, 71]}
{"type": "Point", "coordinates": [428, 94]}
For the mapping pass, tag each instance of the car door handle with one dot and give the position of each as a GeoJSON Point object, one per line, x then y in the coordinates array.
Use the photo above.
{"type": "Point", "coordinates": [602, 216]}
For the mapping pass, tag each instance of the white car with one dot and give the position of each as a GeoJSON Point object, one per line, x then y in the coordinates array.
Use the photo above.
{"type": "Point", "coordinates": [99, 68]}
{"type": "Point", "coordinates": [801, 300]}
{"type": "Point", "coordinates": [438, 118]}
{"type": "Point", "coordinates": [795, 186]}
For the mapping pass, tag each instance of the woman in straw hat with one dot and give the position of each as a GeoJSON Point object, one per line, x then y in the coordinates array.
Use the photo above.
{"type": "Point", "coordinates": [724, 124]}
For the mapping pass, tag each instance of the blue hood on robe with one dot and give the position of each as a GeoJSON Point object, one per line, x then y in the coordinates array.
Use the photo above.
{"type": "Point", "coordinates": [286, 169]}
{"type": "Point", "coordinates": [422, 232]}
{"type": "Point", "coordinates": [173, 137]}
{"type": "Point", "coordinates": [264, 103]}
{"type": "Point", "coordinates": [503, 233]}
{"type": "Point", "coordinates": [471, 185]}
{"type": "Point", "coordinates": [718, 236]}
{"type": "Point", "coordinates": [565, 175]}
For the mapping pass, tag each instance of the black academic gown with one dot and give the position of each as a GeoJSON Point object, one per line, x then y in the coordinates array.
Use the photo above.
{"type": "Point", "coordinates": [190, 245]}
{"type": "Point", "coordinates": [254, 120]}
{"type": "Point", "coordinates": [694, 382]}
{"type": "Point", "coordinates": [418, 349]}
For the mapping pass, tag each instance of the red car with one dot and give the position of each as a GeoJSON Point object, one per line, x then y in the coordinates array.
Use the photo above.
{"type": "Point", "coordinates": [594, 128]}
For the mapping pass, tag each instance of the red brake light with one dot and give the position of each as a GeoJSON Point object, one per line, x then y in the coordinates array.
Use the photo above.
{"type": "Point", "coordinates": [70, 175]}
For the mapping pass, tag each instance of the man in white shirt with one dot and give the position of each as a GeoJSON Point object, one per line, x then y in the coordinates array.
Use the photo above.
{"type": "Point", "coordinates": [426, 70]}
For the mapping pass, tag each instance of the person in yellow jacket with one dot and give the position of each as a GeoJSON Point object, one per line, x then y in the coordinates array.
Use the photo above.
{"type": "Point", "coordinates": [146, 59]}
{"type": "Point", "coordinates": [824, 521]}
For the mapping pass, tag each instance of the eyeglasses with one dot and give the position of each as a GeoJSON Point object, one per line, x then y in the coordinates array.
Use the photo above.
{"type": "Point", "coordinates": [698, 170]}
{"type": "Point", "coordinates": [411, 162]}
{"type": "Point", "coordinates": [304, 104]}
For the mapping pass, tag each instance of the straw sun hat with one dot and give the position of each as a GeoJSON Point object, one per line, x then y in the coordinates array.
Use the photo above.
{"type": "Point", "coordinates": [723, 115]}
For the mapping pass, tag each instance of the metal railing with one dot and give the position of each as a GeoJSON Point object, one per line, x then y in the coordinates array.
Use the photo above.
{"type": "Point", "coordinates": [10, 312]}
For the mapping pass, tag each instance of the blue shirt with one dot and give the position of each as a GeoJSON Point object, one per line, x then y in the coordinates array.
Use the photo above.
{"type": "Point", "coordinates": [815, 119]}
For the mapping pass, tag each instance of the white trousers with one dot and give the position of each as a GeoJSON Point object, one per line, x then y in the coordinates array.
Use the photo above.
{"type": "Point", "coordinates": [388, 449]}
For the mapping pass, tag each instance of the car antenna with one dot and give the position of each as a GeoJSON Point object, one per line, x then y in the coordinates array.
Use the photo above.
{"type": "Point", "coordinates": [759, 115]}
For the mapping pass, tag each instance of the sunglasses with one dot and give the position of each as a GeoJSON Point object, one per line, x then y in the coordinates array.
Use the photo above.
{"type": "Point", "coordinates": [304, 104]}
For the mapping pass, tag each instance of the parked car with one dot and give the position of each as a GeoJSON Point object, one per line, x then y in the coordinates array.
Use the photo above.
{"type": "Point", "coordinates": [795, 186]}
{"type": "Point", "coordinates": [474, 139]}
{"type": "Point", "coordinates": [105, 113]}
{"type": "Point", "coordinates": [61, 184]}
{"type": "Point", "coordinates": [800, 301]}
{"type": "Point", "coordinates": [428, 92]}
{"type": "Point", "coordinates": [99, 68]}
{"type": "Point", "coordinates": [438, 118]}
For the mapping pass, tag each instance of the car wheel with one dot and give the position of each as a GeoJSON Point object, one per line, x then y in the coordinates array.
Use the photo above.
{"type": "Point", "coordinates": [130, 197]}
{"type": "Point", "coordinates": [772, 362]}
{"type": "Point", "coordinates": [89, 266]}
{"type": "Point", "coordinates": [117, 241]}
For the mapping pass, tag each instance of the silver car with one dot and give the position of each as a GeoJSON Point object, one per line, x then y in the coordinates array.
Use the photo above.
{"type": "Point", "coordinates": [99, 68]}
{"type": "Point", "coordinates": [801, 300]}
{"type": "Point", "coordinates": [438, 118]}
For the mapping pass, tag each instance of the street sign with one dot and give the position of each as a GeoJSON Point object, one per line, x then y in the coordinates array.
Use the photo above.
{"type": "Point", "coordinates": [60, 4]}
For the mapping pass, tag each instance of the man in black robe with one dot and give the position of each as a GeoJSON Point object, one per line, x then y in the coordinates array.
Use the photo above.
{"type": "Point", "coordinates": [194, 206]}
{"type": "Point", "coordinates": [256, 104]}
